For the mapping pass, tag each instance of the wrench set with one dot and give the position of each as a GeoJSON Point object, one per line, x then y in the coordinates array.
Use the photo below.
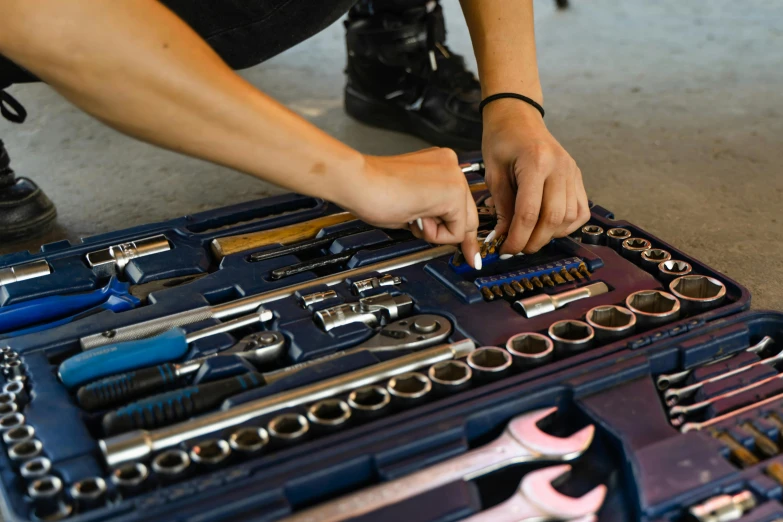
{"type": "Point", "coordinates": [282, 360]}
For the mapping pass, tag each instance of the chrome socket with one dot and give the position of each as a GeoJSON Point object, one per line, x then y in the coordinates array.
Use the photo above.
{"type": "Point", "coordinates": [698, 293]}
{"type": "Point", "coordinates": [210, 453]}
{"type": "Point", "coordinates": [18, 390]}
{"type": "Point", "coordinates": [48, 499]}
{"type": "Point", "coordinates": [329, 414]}
{"type": "Point", "coordinates": [489, 363]}
{"type": "Point", "coordinates": [288, 428]}
{"type": "Point", "coordinates": [633, 247]}
{"type": "Point", "coordinates": [653, 308]}
{"type": "Point", "coordinates": [26, 450]}
{"type": "Point", "coordinates": [248, 440]}
{"type": "Point", "coordinates": [12, 420]}
{"type": "Point", "coordinates": [449, 377]}
{"type": "Point", "coordinates": [19, 434]}
{"type": "Point", "coordinates": [13, 369]}
{"type": "Point", "coordinates": [35, 468]}
{"type": "Point", "coordinates": [652, 257]}
{"type": "Point", "coordinates": [571, 336]}
{"type": "Point", "coordinates": [7, 398]}
{"type": "Point", "coordinates": [369, 401]}
{"type": "Point", "coordinates": [171, 465]}
{"type": "Point", "coordinates": [611, 322]}
{"type": "Point", "coordinates": [530, 349]}
{"type": "Point", "coordinates": [5, 351]}
{"type": "Point", "coordinates": [317, 297]}
{"type": "Point", "coordinates": [8, 408]}
{"type": "Point", "coordinates": [616, 236]}
{"type": "Point", "coordinates": [409, 389]}
{"type": "Point", "coordinates": [670, 270]}
{"type": "Point", "coordinates": [130, 479]}
{"type": "Point", "coordinates": [89, 493]}
{"type": "Point", "coordinates": [592, 235]}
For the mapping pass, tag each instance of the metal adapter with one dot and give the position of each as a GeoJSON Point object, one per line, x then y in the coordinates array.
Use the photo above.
{"type": "Point", "coordinates": [375, 282]}
{"type": "Point", "coordinates": [113, 260]}
{"type": "Point", "coordinates": [368, 310]}
{"type": "Point", "coordinates": [544, 303]}
{"type": "Point", "coordinates": [14, 274]}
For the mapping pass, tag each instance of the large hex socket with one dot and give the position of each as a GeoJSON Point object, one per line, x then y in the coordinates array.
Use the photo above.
{"type": "Point", "coordinates": [592, 235]}
{"type": "Point", "coordinates": [570, 337]}
{"type": "Point", "coordinates": [490, 363]}
{"type": "Point", "coordinates": [633, 247]}
{"type": "Point", "coordinates": [89, 493]}
{"type": "Point", "coordinates": [449, 377]}
{"type": "Point", "coordinates": [130, 479]}
{"type": "Point", "coordinates": [698, 293]}
{"type": "Point", "coordinates": [35, 468]}
{"type": "Point", "coordinates": [653, 307]}
{"type": "Point", "coordinates": [210, 453]}
{"type": "Point", "coordinates": [530, 349]}
{"type": "Point", "coordinates": [248, 440]}
{"type": "Point", "coordinates": [611, 322]}
{"type": "Point", "coordinates": [409, 389]}
{"type": "Point", "coordinates": [329, 414]}
{"type": "Point", "coordinates": [670, 270]}
{"type": "Point", "coordinates": [48, 499]}
{"type": "Point", "coordinates": [288, 428]}
{"type": "Point", "coordinates": [652, 257]}
{"type": "Point", "coordinates": [171, 465]}
{"type": "Point", "coordinates": [369, 401]}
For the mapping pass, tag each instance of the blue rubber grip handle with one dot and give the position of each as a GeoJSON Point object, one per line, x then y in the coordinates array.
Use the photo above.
{"type": "Point", "coordinates": [123, 357]}
{"type": "Point", "coordinates": [62, 307]}
{"type": "Point", "coordinates": [121, 389]}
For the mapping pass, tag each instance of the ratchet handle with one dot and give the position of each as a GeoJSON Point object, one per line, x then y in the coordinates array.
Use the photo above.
{"type": "Point", "coordinates": [177, 406]}
{"type": "Point", "coordinates": [125, 387]}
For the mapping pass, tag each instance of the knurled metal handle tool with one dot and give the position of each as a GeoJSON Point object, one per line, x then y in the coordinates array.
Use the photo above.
{"type": "Point", "coordinates": [24, 271]}
{"type": "Point", "coordinates": [122, 357]}
{"type": "Point", "coordinates": [308, 244]}
{"type": "Point", "coordinates": [521, 442]}
{"type": "Point", "coordinates": [47, 312]}
{"type": "Point", "coordinates": [663, 382]}
{"type": "Point", "coordinates": [368, 310]}
{"type": "Point", "coordinates": [673, 396]}
{"type": "Point", "coordinates": [257, 348]}
{"type": "Point", "coordinates": [544, 303]}
{"type": "Point", "coordinates": [113, 260]}
{"type": "Point", "coordinates": [140, 444]}
{"type": "Point", "coordinates": [247, 304]}
{"type": "Point", "coordinates": [157, 411]}
{"type": "Point", "coordinates": [537, 500]}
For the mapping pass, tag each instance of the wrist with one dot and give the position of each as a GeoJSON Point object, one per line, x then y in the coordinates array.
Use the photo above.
{"type": "Point", "coordinates": [511, 109]}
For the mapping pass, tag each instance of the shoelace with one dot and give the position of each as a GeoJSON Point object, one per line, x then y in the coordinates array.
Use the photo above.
{"type": "Point", "coordinates": [11, 109]}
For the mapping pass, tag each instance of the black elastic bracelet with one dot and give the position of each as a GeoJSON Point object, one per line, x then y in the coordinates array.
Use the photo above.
{"type": "Point", "coordinates": [514, 95]}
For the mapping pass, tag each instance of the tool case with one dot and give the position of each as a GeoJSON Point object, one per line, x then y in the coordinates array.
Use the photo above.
{"type": "Point", "coordinates": [652, 471]}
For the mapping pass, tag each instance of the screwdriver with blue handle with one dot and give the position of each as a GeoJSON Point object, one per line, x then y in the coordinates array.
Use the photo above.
{"type": "Point", "coordinates": [47, 312]}
{"type": "Point", "coordinates": [169, 346]}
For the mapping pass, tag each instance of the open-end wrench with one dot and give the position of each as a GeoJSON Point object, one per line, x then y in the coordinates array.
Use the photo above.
{"type": "Point", "coordinates": [673, 396]}
{"type": "Point", "coordinates": [536, 500]}
{"type": "Point", "coordinates": [665, 381]}
{"type": "Point", "coordinates": [522, 441]}
{"type": "Point", "coordinates": [678, 413]}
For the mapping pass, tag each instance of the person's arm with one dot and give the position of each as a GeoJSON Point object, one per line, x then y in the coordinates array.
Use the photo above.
{"type": "Point", "coordinates": [536, 186]}
{"type": "Point", "coordinates": [139, 68]}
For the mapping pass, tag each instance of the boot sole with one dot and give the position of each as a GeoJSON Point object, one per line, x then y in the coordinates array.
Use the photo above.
{"type": "Point", "coordinates": [382, 115]}
{"type": "Point", "coordinates": [30, 229]}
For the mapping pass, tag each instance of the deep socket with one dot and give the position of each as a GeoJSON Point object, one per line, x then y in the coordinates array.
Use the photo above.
{"type": "Point", "coordinates": [369, 401]}
{"type": "Point", "coordinates": [592, 234]}
{"type": "Point", "coordinates": [210, 453]}
{"type": "Point", "coordinates": [6, 409]}
{"type": "Point", "coordinates": [611, 322]}
{"type": "Point", "coordinates": [529, 349]}
{"type": "Point", "coordinates": [653, 307]}
{"type": "Point", "coordinates": [47, 496]}
{"type": "Point", "coordinates": [489, 363]}
{"type": "Point", "coordinates": [89, 493]}
{"type": "Point", "coordinates": [26, 450]}
{"type": "Point", "coordinates": [449, 377]}
{"type": "Point", "coordinates": [7, 398]}
{"type": "Point", "coordinates": [288, 428]}
{"type": "Point", "coordinates": [35, 468]}
{"type": "Point", "coordinates": [329, 414]}
{"type": "Point", "coordinates": [19, 434]}
{"type": "Point", "coordinates": [12, 420]}
{"type": "Point", "coordinates": [652, 257]}
{"type": "Point", "coordinates": [616, 236]}
{"type": "Point", "coordinates": [14, 368]}
{"type": "Point", "coordinates": [17, 388]}
{"type": "Point", "coordinates": [698, 293]}
{"type": "Point", "coordinates": [409, 389]}
{"type": "Point", "coordinates": [570, 336]}
{"type": "Point", "coordinates": [248, 440]}
{"type": "Point", "coordinates": [670, 270]}
{"type": "Point", "coordinates": [170, 465]}
{"type": "Point", "coordinates": [633, 247]}
{"type": "Point", "coordinates": [130, 478]}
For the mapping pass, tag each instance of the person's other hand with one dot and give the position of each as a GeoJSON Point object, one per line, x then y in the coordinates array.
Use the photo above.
{"type": "Point", "coordinates": [536, 186]}
{"type": "Point", "coordinates": [426, 187]}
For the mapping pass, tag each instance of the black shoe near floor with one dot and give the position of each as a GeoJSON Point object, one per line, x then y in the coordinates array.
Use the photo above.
{"type": "Point", "coordinates": [25, 211]}
{"type": "Point", "coordinates": [402, 77]}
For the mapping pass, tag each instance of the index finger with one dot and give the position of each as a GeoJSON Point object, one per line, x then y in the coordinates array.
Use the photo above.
{"type": "Point", "coordinates": [526, 210]}
{"type": "Point", "coordinates": [470, 246]}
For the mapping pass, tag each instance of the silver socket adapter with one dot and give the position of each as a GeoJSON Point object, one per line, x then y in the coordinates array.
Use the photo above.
{"type": "Point", "coordinates": [113, 260]}
{"type": "Point", "coordinates": [23, 272]}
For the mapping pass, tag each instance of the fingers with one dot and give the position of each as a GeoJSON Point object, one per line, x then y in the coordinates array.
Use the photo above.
{"type": "Point", "coordinates": [503, 194]}
{"type": "Point", "coordinates": [583, 206]}
{"type": "Point", "coordinates": [470, 246]}
{"type": "Point", "coordinates": [571, 208]}
{"type": "Point", "coordinates": [526, 210]}
{"type": "Point", "coordinates": [553, 209]}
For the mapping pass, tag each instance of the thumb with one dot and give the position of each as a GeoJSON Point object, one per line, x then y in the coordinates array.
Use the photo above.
{"type": "Point", "coordinates": [504, 197]}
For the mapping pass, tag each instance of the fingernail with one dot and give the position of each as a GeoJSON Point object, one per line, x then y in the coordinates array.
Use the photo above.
{"type": "Point", "coordinates": [477, 261]}
{"type": "Point", "coordinates": [520, 254]}
{"type": "Point", "coordinates": [503, 257]}
{"type": "Point", "coordinates": [420, 223]}
{"type": "Point", "coordinates": [490, 237]}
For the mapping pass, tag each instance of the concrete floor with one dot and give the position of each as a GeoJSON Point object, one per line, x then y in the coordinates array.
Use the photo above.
{"type": "Point", "coordinates": [672, 109]}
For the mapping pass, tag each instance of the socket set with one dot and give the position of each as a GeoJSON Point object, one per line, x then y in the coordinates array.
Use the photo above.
{"type": "Point", "coordinates": [193, 369]}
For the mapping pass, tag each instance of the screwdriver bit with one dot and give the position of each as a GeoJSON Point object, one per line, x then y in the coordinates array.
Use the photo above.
{"type": "Point", "coordinates": [537, 282]}
{"type": "Point", "coordinates": [576, 274]}
{"type": "Point", "coordinates": [766, 445]}
{"type": "Point", "coordinates": [547, 280]}
{"type": "Point", "coordinates": [775, 471]}
{"type": "Point", "coordinates": [583, 270]}
{"type": "Point", "coordinates": [528, 284]}
{"type": "Point", "coordinates": [487, 293]}
{"type": "Point", "coordinates": [568, 277]}
{"type": "Point", "coordinates": [517, 287]}
{"type": "Point", "coordinates": [508, 290]}
{"type": "Point", "coordinates": [741, 455]}
{"type": "Point", "coordinates": [497, 291]}
{"type": "Point", "coordinates": [558, 278]}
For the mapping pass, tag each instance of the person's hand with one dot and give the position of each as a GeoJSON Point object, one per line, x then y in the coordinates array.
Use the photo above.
{"type": "Point", "coordinates": [536, 186]}
{"type": "Point", "coordinates": [425, 187]}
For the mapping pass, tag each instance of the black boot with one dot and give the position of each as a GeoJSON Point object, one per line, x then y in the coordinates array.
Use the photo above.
{"type": "Point", "coordinates": [401, 76]}
{"type": "Point", "coordinates": [25, 210]}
